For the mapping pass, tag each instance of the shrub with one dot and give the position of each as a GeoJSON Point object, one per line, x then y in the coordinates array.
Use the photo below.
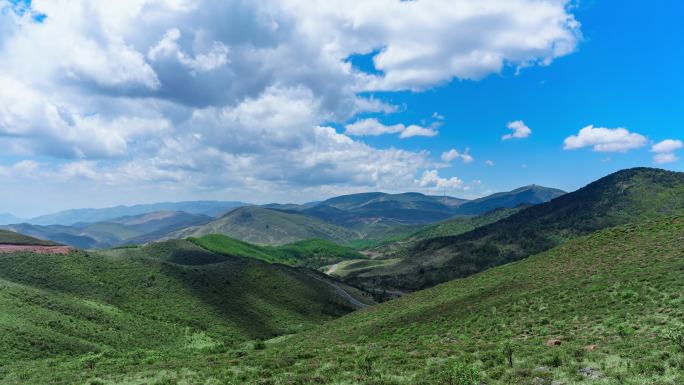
{"type": "Point", "coordinates": [676, 337]}
{"type": "Point", "coordinates": [365, 365]}
{"type": "Point", "coordinates": [259, 345]}
{"type": "Point", "coordinates": [458, 373]}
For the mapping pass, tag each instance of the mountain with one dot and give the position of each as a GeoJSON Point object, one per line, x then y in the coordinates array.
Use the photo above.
{"type": "Point", "coordinates": [263, 226]}
{"type": "Point", "coordinates": [604, 308]}
{"type": "Point", "coordinates": [7, 219]}
{"type": "Point", "coordinates": [405, 208]}
{"type": "Point", "coordinates": [171, 296]}
{"type": "Point", "coordinates": [137, 229]}
{"type": "Point", "coordinates": [624, 197]}
{"type": "Point", "coordinates": [312, 253]}
{"type": "Point", "coordinates": [70, 217]}
{"type": "Point", "coordinates": [532, 194]}
{"type": "Point", "coordinates": [13, 238]}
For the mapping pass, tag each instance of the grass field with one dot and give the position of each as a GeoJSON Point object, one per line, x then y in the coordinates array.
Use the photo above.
{"type": "Point", "coordinates": [12, 238]}
{"type": "Point", "coordinates": [312, 253]}
{"type": "Point", "coordinates": [613, 300]}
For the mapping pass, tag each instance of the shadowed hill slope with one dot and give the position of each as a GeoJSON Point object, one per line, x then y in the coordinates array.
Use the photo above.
{"type": "Point", "coordinates": [624, 197]}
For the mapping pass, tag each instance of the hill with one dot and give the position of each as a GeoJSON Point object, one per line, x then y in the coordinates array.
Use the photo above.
{"type": "Point", "coordinates": [7, 218]}
{"type": "Point", "coordinates": [70, 217]}
{"type": "Point", "coordinates": [624, 197]}
{"type": "Point", "coordinates": [13, 238]}
{"type": "Point", "coordinates": [312, 253]}
{"type": "Point", "coordinates": [603, 309]}
{"type": "Point", "coordinates": [269, 227]}
{"type": "Point", "coordinates": [137, 229]}
{"type": "Point", "coordinates": [532, 194]}
{"type": "Point", "coordinates": [172, 295]}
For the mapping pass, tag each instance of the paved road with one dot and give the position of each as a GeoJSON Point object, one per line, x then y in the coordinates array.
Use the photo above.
{"type": "Point", "coordinates": [339, 290]}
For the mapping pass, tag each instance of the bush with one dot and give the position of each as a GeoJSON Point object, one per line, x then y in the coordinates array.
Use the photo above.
{"type": "Point", "coordinates": [458, 373]}
{"type": "Point", "coordinates": [676, 337]}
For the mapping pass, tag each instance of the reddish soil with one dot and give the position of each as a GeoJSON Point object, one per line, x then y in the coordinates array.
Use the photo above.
{"type": "Point", "coordinates": [36, 249]}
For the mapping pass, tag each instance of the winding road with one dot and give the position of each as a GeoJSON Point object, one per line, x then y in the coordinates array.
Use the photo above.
{"type": "Point", "coordinates": [343, 293]}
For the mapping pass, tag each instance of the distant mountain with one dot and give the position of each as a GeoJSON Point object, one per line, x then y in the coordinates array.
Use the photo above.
{"type": "Point", "coordinates": [532, 194]}
{"type": "Point", "coordinates": [405, 208]}
{"type": "Point", "coordinates": [136, 229]}
{"type": "Point", "coordinates": [627, 196]}
{"type": "Point", "coordinates": [12, 238]}
{"type": "Point", "coordinates": [7, 219]}
{"type": "Point", "coordinates": [70, 217]}
{"type": "Point", "coordinates": [264, 226]}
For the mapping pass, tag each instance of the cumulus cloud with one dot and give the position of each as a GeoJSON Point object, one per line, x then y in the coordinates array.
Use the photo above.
{"type": "Point", "coordinates": [489, 163]}
{"type": "Point", "coordinates": [452, 154]}
{"type": "Point", "coordinates": [520, 130]}
{"type": "Point", "coordinates": [665, 151]}
{"type": "Point", "coordinates": [605, 139]}
{"type": "Point", "coordinates": [373, 127]}
{"type": "Point", "coordinates": [239, 95]}
{"type": "Point", "coordinates": [431, 178]}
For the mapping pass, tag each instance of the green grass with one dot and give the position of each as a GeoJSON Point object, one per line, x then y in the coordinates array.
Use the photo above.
{"type": "Point", "coordinates": [312, 253]}
{"type": "Point", "coordinates": [136, 300]}
{"type": "Point", "coordinates": [620, 289]}
{"type": "Point", "coordinates": [12, 238]}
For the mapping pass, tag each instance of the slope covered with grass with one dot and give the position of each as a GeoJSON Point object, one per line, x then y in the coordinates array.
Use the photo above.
{"type": "Point", "coordinates": [627, 196]}
{"type": "Point", "coordinates": [312, 253]}
{"type": "Point", "coordinates": [138, 300]}
{"type": "Point", "coordinates": [11, 238]}
{"type": "Point", "coordinates": [270, 227]}
{"type": "Point", "coordinates": [608, 306]}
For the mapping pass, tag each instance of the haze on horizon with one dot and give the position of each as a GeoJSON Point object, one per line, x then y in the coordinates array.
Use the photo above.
{"type": "Point", "coordinates": [144, 101]}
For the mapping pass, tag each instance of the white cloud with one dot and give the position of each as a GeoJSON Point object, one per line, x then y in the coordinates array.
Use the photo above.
{"type": "Point", "coordinates": [665, 151]}
{"type": "Point", "coordinates": [415, 130]}
{"type": "Point", "coordinates": [489, 163]}
{"type": "Point", "coordinates": [235, 96]}
{"type": "Point", "coordinates": [520, 130]}
{"type": "Point", "coordinates": [431, 179]}
{"type": "Point", "coordinates": [373, 127]}
{"type": "Point", "coordinates": [605, 139]}
{"type": "Point", "coordinates": [452, 154]}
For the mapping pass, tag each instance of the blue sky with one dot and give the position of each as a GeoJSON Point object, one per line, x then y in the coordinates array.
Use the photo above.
{"type": "Point", "coordinates": [143, 101]}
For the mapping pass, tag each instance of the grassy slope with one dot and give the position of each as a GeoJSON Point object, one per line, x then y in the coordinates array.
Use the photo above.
{"type": "Point", "coordinates": [12, 238]}
{"type": "Point", "coordinates": [619, 289]}
{"type": "Point", "coordinates": [134, 299]}
{"type": "Point", "coordinates": [312, 253]}
{"type": "Point", "coordinates": [269, 227]}
{"type": "Point", "coordinates": [624, 197]}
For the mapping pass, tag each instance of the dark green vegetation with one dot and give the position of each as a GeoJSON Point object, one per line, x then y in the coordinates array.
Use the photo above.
{"type": "Point", "coordinates": [312, 253]}
{"type": "Point", "coordinates": [127, 230]}
{"type": "Point", "coordinates": [168, 296]}
{"type": "Point", "coordinates": [613, 300]}
{"type": "Point", "coordinates": [624, 197]}
{"type": "Point", "coordinates": [12, 238]}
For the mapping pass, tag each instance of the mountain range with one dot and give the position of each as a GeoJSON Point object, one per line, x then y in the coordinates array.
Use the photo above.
{"type": "Point", "coordinates": [624, 197]}
{"type": "Point", "coordinates": [585, 288]}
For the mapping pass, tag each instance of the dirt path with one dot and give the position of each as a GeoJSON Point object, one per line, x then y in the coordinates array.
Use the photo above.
{"type": "Point", "coordinates": [332, 269]}
{"type": "Point", "coordinates": [62, 250]}
{"type": "Point", "coordinates": [343, 293]}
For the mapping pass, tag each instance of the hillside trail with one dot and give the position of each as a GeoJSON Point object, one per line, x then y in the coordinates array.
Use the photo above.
{"type": "Point", "coordinates": [343, 293]}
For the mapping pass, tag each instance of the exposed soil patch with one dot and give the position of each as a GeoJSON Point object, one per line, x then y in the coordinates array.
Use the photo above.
{"type": "Point", "coordinates": [63, 250]}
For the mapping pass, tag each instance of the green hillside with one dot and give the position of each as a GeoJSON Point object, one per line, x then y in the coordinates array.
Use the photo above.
{"type": "Point", "coordinates": [12, 238]}
{"type": "Point", "coordinates": [270, 227]}
{"type": "Point", "coordinates": [627, 196]}
{"type": "Point", "coordinates": [135, 301]}
{"type": "Point", "coordinates": [608, 305]}
{"type": "Point", "coordinates": [312, 253]}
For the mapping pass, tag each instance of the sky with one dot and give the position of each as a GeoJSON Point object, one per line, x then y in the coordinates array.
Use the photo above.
{"type": "Point", "coordinates": [140, 101]}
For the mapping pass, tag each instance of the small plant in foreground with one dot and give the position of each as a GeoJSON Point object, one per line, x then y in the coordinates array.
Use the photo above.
{"type": "Point", "coordinates": [676, 336]}
{"type": "Point", "coordinates": [458, 373]}
{"type": "Point", "coordinates": [508, 352]}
